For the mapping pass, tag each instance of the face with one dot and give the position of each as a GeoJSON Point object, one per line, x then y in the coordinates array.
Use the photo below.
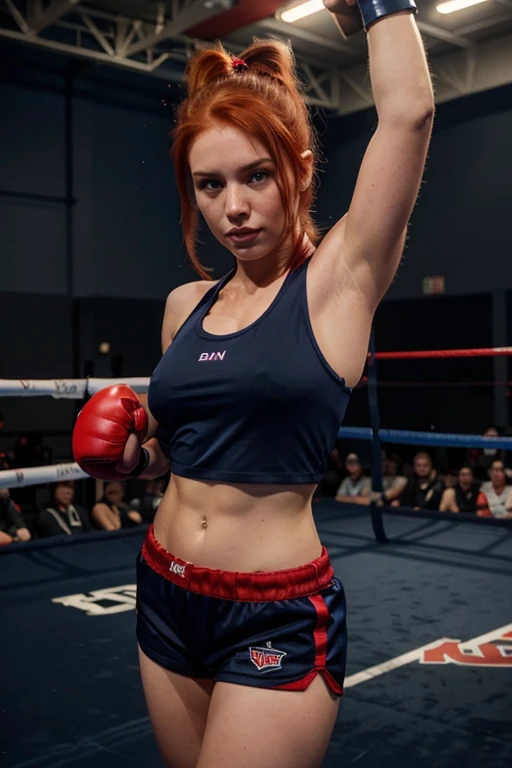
{"type": "Point", "coordinates": [230, 194]}
{"type": "Point", "coordinates": [491, 432]}
{"type": "Point", "coordinates": [422, 467]}
{"type": "Point", "coordinates": [465, 477]}
{"type": "Point", "coordinates": [114, 493]}
{"type": "Point", "coordinates": [353, 467]}
{"type": "Point", "coordinates": [497, 473]}
{"type": "Point", "coordinates": [64, 495]}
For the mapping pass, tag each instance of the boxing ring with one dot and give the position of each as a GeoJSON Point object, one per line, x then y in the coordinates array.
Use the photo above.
{"type": "Point", "coordinates": [430, 627]}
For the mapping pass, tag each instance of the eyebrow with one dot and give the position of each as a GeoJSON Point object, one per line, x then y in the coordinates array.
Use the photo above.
{"type": "Point", "coordinates": [243, 168]}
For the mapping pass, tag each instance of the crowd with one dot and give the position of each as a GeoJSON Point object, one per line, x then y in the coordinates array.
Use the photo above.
{"type": "Point", "coordinates": [481, 486]}
{"type": "Point", "coordinates": [64, 517]}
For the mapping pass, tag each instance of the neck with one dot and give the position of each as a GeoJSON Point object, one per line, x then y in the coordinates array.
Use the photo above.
{"type": "Point", "coordinates": [262, 272]}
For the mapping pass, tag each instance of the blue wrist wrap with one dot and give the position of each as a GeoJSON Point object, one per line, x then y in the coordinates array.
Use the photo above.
{"type": "Point", "coordinates": [372, 10]}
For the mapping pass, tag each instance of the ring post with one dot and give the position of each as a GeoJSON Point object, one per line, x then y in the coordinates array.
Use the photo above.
{"type": "Point", "coordinates": [375, 511]}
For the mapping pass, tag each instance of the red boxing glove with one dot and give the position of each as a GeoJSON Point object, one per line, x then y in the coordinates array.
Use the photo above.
{"type": "Point", "coordinates": [102, 429]}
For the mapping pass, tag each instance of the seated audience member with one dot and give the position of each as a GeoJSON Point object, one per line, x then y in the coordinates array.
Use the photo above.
{"type": "Point", "coordinates": [111, 513]}
{"type": "Point", "coordinates": [480, 459]}
{"type": "Point", "coordinates": [462, 497]}
{"type": "Point", "coordinates": [147, 503]}
{"type": "Point", "coordinates": [28, 451]}
{"type": "Point", "coordinates": [495, 497]}
{"type": "Point", "coordinates": [393, 484]}
{"type": "Point", "coordinates": [356, 488]}
{"type": "Point", "coordinates": [424, 489]}
{"type": "Point", "coordinates": [62, 517]}
{"type": "Point", "coordinates": [12, 525]}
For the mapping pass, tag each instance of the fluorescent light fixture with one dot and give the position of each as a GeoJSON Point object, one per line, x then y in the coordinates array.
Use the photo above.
{"type": "Point", "coordinates": [302, 10]}
{"type": "Point", "coordinates": [457, 5]}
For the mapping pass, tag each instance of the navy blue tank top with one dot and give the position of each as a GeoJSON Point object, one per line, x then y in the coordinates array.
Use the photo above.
{"type": "Point", "coordinates": [261, 405]}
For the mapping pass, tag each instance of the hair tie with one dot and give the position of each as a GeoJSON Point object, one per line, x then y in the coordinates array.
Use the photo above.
{"type": "Point", "coordinates": [239, 65]}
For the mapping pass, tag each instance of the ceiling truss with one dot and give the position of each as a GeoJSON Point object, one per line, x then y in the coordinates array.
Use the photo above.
{"type": "Point", "coordinates": [73, 28]}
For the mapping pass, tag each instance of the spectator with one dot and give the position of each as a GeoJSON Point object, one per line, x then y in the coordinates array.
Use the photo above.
{"type": "Point", "coordinates": [356, 488]}
{"type": "Point", "coordinates": [393, 484]}
{"type": "Point", "coordinates": [12, 525]}
{"type": "Point", "coordinates": [147, 503]}
{"type": "Point", "coordinates": [111, 513]}
{"type": "Point", "coordinates": [495, 497]}
{"type": "Point", "coordinates": [462, 497]}
{"type": "Point", "coordinates": [28, 452]}
{"type": "Point", "coordinates": [424, 489]}
{"type": "Point", "coordinates": [63, 517]}
{"type": "Point", "coordinates": [480, 459]}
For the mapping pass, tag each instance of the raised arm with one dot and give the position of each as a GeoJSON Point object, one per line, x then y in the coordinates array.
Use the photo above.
{"type": "Point", "coordinates": [367, 243]}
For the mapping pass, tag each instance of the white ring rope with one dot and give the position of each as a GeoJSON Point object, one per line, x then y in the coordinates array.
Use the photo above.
{"type": "Point", "coordinates": [71, 389]}
{"type": "Point", "coordinates": [19, 478]}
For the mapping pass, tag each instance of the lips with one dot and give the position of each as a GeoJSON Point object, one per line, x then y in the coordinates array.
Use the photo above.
{"type": "Point", "coordinates": [244, 237]}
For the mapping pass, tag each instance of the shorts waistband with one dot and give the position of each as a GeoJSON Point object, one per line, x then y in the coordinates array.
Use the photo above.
{"type": "Point", "coordinates": [234, 585]}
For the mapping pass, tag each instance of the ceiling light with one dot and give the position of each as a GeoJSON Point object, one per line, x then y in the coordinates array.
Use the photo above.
{"type": "Point", "coordinates": [302, 10]}
{"type": "Point", "coordinates": [457, 5]}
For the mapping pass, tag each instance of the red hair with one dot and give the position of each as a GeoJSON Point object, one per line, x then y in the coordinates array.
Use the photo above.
{"type": "Point", "coordinates": [264, 101]}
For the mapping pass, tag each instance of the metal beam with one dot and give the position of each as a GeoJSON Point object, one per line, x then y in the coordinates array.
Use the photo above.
{"type": "Point", "coordinates": [103, 58]}
{"type": "Point", "coordinates": [487, 23]}
{"type": "Point", "coordinates": [443, 34]}
{"type": "Point", "coordinates": [290, 31]}
{"type": "Point", "coordinates": [191, 15]}
{"type": "Point", "coordinates": [98, 36]}
{"type": "Point", "coordinates": [51, 14]}
{"type": "Point", "coordinates": [17, 16]}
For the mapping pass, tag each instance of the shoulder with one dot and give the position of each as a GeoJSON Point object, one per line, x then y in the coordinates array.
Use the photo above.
{"type": "Point", "coordinates": [101, 507]}
{"type": "Point", "coordinates": [180, 303]}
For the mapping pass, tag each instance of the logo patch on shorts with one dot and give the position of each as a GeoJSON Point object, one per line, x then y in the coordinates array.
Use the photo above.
{"type": "Point", "coordinates": [266, 658]}
{"type": "Point", "coordinates": [178, 569]}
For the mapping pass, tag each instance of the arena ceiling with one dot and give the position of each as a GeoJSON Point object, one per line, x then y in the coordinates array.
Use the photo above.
{"type": "Point", "coordinates": [469, 51]}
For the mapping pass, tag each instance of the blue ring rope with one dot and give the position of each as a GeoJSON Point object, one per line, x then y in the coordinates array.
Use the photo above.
{"type": "Point", "coordinates": [407, 437]}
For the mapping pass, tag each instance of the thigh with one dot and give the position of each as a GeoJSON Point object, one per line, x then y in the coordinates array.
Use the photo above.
{"type": "Point", "coordinates": [252, 727]}
{"type": "Point", "coordinates": [178, 709]}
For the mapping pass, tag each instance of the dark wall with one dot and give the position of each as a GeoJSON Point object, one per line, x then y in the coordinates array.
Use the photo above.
{"type": "Point", "coordinates": [460, 225]}
{"type": "Point", "coordinates": [36, 343]}
{"type": "Point", "coordinates": [126, 236]}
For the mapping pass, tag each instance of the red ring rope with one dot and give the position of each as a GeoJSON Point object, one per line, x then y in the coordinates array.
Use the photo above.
{"type": "Point", "coordinates": [486, 352]}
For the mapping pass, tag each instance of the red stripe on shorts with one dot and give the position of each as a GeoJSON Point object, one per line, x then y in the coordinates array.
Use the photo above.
{"type": "Point", "coordinates": [320, 636]}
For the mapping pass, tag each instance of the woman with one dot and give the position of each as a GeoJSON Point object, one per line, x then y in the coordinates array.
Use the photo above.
{"type": "Point", "coordinates": [111, 513]}
{"type": "Point", "coordinates": [62, 516]}
{"type": "Point", "coordinates": [242, 627]}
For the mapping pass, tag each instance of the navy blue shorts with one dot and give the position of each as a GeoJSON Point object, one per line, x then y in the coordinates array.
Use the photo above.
{"type": "Point", "coordinates": [274, 630]}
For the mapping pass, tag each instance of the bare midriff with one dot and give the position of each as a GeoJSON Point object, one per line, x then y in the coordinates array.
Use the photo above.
{"type": "Point", "coordinates": [248, 528]}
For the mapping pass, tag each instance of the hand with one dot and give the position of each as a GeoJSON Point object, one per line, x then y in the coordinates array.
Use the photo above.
{"type": "Point", "coordinates": [22, 534]}
{"type": "Point", "coordinates": [339, 6]}
{"type": "Point", "coordinates": [347, 16]}
{"type": "Point", "coordinates": [108, 433]}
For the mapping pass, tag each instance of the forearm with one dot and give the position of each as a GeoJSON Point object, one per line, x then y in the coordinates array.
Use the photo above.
{"type": "Point", "coordinates": [393, 493]}
{"type": "Point", "coordinates": [158, 460]}
{"type": "Point", "coordinates": [400, 77]}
